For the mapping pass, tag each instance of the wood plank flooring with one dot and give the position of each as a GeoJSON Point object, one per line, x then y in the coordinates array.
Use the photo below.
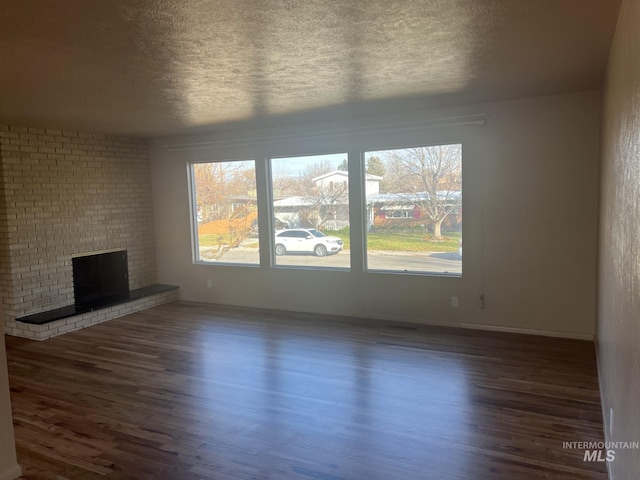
{"type": "Point", "coordinates": [186, 391]}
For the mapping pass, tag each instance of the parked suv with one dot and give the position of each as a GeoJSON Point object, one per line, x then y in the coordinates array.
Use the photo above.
{"type": "Point", "coordinates": [297, 240]}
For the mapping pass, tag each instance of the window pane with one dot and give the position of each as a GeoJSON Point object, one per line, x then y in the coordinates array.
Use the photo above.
{"type": "Point", "coordinates": [226, 211]}
{"type": "Point", "coordinates": [414, 209]}
{"type": "Point", "coordinates": [311, 211]}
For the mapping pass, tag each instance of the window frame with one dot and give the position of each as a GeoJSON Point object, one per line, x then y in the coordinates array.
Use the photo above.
{"type": "Point", "coordinates": [365, 232]}
{"type": "Point", "coordinates": [356, 149]}
{"type": "Point", "coordinates": [272, 213]}
{"type": "Point", "coordinates": [193, 213]}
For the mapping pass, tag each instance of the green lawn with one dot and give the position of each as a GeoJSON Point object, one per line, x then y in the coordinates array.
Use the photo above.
{"type": "Point", "coordinates": [408, 241]}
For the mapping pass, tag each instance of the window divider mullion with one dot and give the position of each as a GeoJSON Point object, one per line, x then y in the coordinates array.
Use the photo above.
{"type": "Point", "coordinates": [265, 211]}
{"type": "Point", "coordinates": [357, 210]}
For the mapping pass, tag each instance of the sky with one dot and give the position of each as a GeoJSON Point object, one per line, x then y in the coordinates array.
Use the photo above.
{"type": "Point", "coordinates": [294, 166]}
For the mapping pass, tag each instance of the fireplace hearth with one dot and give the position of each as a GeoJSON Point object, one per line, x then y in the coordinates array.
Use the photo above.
{"type": "Point", "coordinates": [100, 280]}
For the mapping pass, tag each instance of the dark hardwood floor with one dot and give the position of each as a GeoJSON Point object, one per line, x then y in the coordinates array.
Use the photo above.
{"type": "Point", "coordinates": [186, 391]}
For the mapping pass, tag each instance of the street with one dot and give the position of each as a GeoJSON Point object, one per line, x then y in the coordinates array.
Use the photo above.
{"type": "Point", "coordinates": [450, 263]}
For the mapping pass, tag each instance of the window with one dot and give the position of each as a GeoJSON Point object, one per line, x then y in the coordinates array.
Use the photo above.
{"type": "Point", "coordinates": [414, 209]}
{"type": "Point", "coordinates": [226, 213]}
{"type": "Point", "coordinates": [311, 211]}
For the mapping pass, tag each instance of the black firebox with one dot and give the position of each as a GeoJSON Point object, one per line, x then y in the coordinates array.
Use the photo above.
{"type": "Point", "coordinates": [100, 279]}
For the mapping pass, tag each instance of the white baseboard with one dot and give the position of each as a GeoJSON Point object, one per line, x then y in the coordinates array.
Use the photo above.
{"type": "Point", "coordinates": [493, 328]}
{"type": "Point", "coordinates": [468, 326]}
{"type": "Point", "coordinates": [524, 331]}
{"type": "Point", "coordinates": [12, 473]}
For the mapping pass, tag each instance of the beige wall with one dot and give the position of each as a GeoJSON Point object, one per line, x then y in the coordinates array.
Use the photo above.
{"type": "Point", "coordinates": [67, 193]}
{"type": "Point", "coordinates": [530, 182]}
{"type": "Point", "coordinates": [619, 273]}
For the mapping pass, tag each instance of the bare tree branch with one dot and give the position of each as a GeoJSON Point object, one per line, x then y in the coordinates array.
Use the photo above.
{"type": "Point", "coordinates": [428, 177]}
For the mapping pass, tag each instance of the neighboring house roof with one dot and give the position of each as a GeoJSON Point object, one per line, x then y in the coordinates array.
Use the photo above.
{"type": "Point", "coordinates": [293, 202]}
{"type": "Point", "coordinates": [384, 198]}
{"type": "Point", "coordinates": [344, 174]}
{"type": "Point", "coordinates": [409, 197]}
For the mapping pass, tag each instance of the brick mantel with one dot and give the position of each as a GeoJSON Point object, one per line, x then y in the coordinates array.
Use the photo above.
{"type": "Point", "coordinates": [64, 193]}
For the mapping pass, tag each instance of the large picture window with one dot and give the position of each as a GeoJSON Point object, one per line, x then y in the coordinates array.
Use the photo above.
{"type": "Point", "coordinates": [226, 213]}
{"type": "Point", "coordinates": [414, 209]}
{"type": "Point", "coordinates": [311, 211]}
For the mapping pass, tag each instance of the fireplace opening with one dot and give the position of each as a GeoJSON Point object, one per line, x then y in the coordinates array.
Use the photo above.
{"type": "Point", "coordinates": [100, 279]}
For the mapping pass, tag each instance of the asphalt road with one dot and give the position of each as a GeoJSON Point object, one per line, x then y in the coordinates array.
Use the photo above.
{"type": "Point", "coordinates": [435, 262]}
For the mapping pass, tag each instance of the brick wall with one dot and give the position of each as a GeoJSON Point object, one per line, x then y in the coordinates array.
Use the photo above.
{"type": "Point", "coordinates": [5, 275]}
{"type": "Point", "coordinates": [64, 193]}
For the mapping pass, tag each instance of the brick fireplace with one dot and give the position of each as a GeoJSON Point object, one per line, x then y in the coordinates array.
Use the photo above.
{"type": "Point", "coordinates": [62, 193]}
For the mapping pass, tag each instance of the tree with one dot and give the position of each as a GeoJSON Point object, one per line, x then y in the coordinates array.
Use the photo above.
{"type": "Point", "coordinates": [324, 198]}
{"type": "Point", "coordinates": [344, 165]}
{"type": "Point", "coordinates": [223, 200]}
{"type": "Point", "coordinates": [215, 184]}
{"type": "Point", "coordinates": [375, 166]}
{"type": "Point", "coordinates": [429, 177]}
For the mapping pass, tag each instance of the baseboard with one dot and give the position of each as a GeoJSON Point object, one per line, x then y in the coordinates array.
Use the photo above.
{"type": "Point", "coordinates": [523, 331]}
{"type": "Point", "coordinates": [466, 326]}
{"type": "Point", "coordinates": [605, 418]}
{"type": "Point", "coordinates": [12, 473]}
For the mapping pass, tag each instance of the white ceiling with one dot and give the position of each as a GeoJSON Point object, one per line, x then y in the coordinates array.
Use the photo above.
{"type": "Point", "coordinates": [153, 67]}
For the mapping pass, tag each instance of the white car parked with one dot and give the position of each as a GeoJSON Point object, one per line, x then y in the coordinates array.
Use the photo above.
{"type": "Point", "coordinates": [298, 240]}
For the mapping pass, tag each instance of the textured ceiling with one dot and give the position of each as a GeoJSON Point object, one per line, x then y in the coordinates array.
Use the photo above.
{"type": "Point", "coordinates": [152, 67]}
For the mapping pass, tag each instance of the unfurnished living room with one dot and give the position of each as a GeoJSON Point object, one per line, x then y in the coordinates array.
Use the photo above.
{"type": "Point", "coordinates": [320, 240]}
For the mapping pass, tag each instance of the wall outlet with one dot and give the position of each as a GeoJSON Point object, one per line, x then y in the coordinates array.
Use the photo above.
{"type": "Point", "coordinates": [454, 302]}
{"type": "Point", "coordinates": [209, 283]}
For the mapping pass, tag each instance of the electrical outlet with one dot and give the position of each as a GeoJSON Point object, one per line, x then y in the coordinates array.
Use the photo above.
{"type": "Point", "coordinates": [209, 283]}
{"type": "Point", "coordinates": [454, 302]}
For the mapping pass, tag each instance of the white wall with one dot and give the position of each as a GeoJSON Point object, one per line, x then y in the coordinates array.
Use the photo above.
{"type": "Point", "coordinates": [619, 273]}
{"type": "Point", "coordinates": [530, 185]}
